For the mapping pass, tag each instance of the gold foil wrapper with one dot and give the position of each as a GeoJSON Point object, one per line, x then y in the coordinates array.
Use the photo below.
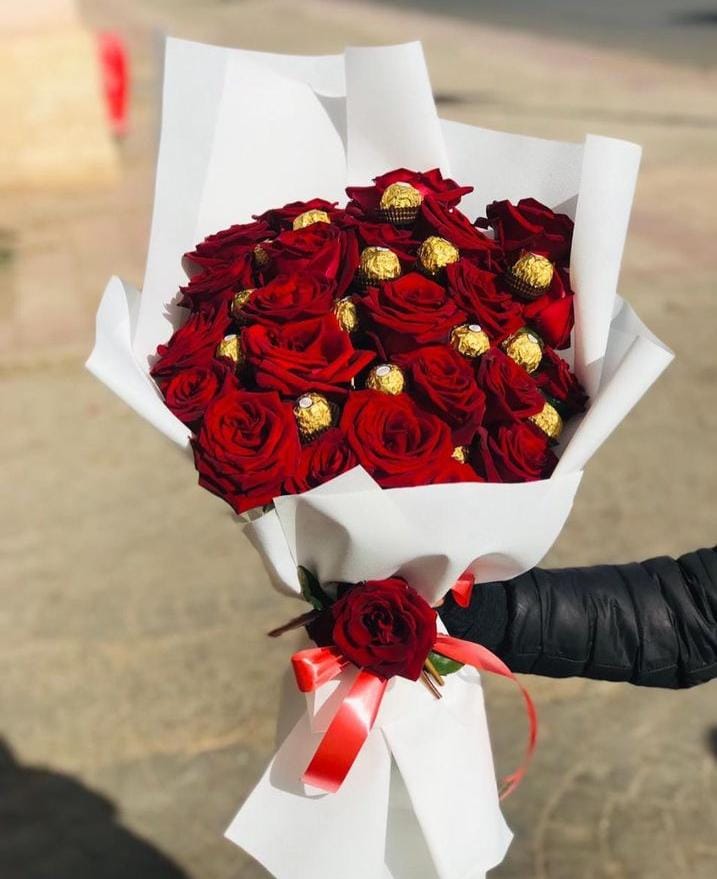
{"type": "Point", "coordinates": [526, 348]}
{"type": "Point", "coordinates": [308, 218]}
{"type": "Point", "coordinates": [387, 378]}
{"type": "Point", "coordinates": [436, 253]}
{"type": "Point", "coordinates": [314, 414]}
{"type": "Point", "coordinates": [470, 340]}
{"type": "Point", "coordinates": [346, 314]}
{"type": "Point", "coordinates": [460, 454]}
{"type": "Point", "coordinates": [239, 300]}
{"type": "Point", "coordinates": [400, 203]}
{"type": "Point", "coordinates": [549, 421]}
{"type": "Point", "coordinates": [230, 348]}
{"type": "Point", "coordinates": [530, 276]}
{"type": "Point", "coordinates": [261, 257]}
{"type": "Point", "coordinates": [378, 264]}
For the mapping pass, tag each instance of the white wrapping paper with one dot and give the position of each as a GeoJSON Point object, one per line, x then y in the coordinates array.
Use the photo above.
{"type": "Point", "coordinates": [244, 131]}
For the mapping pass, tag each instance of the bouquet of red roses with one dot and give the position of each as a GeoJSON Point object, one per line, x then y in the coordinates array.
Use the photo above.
{"type": "Point", "coordinates": [393, 334]}
{"type": "Point", "coordinates": [396, 385]}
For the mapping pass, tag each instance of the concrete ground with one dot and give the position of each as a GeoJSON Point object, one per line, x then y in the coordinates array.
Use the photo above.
{"type": "Point", "coordinates": [137, 693]}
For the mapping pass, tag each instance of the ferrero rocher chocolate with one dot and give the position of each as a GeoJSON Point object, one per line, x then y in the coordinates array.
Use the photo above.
{"type": "Point", "coordinates": [378, 264]}
{"type": "Point", "coordinates": [346, 314]}
{"type": "Point", "coordinates": [386, 378]}
{"type": "Point", "coordinates": [470, 340]}
{"type": "Point", "coordinates": [400, 203]}
{"type": "Point", "coordinates": [530, 276]}
{"type": "Point", "coordinates": [314, 414]}
{"type": "Point", "coordinates": [435, 254]}
{"type": "Point", "coordinates": [308, 218]}
{"type": "Point", "coordinates": [525, 347]}
{"type": "Point", "coordinates": [549, 421]}
{"type": "Point", "coordinates": [239, 300]}
{"type": "Point", "coordinates": [261, 257]}
{"type": "Point", "coordinates": [230, 348]}
{"type": "Point", "coordinates": [460, 454]}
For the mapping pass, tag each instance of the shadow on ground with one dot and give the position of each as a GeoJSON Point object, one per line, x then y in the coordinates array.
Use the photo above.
{"type": "Point", "coordinates": [53, 827]}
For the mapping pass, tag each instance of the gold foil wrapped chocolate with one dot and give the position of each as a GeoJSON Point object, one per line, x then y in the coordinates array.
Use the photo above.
{"type": "Point", "coordinates": [387, 378]}
{"type": "Point", "coordinates": [470, 340]}
{"type": "Point", "coordinates": [460, 454]}
{"type": "Point", "coordinates": [525, 347]}
{"type": "Point", "coordinates": [239, 300]}
{"type": "Point", "coordinates": [308, 218]}
{"type": "Point", "coordinates": [346, 314]}
{"type": "Point", "coordinates": [549, 421]}
{"type": "Point", "coordinates": [400, 203]}
{"type": "Point", "coordinates": [261, 257]}
{"type": "Point", "coordinates": [314, 414]}
{"type": "Point", "coordinates": [230, 348]}
{"type": "Point", "coordinates": [435, 253]}
{"type": "Point", "coordinates": [378, 264]}
{"type": "Point", "coordinates": [530, 276]}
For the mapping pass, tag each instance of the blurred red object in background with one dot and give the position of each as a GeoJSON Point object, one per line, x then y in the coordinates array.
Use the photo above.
{"type": "Point", "coordinates": [114, 63]}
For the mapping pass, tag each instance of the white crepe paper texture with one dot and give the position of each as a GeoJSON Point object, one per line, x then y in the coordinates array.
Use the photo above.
{"type": "Point", "coordinates": [245, 131]}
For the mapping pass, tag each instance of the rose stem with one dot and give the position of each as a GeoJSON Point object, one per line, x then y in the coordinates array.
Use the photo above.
{"type": "Point", "coordinates": [431, 686]}
{"type": "Point", "coordinates": [296, 623]}
{"type": "Point", "coordinates": [433, 672]}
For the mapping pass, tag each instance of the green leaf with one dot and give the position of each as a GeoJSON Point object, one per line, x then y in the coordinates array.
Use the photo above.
{"type": "Point", "coordinates": [443, 664]}
{"type": "Point", "coordinates": [311, 589]}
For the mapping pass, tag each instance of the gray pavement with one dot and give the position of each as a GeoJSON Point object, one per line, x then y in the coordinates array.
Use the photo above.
{"type": "Point", "coordinates": [137, 692]}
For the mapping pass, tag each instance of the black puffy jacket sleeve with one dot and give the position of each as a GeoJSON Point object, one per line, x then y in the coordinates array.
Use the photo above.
{"type": "Point", "coordinates": [653, 624]}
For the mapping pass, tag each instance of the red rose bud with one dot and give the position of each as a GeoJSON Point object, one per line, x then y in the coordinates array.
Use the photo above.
{"type": "Point", "coordinates": [397, 442]}
{"type": "Point", "coordinates": [247, 447]}
{"type": "Point", "coordinates": [385, 627]}
{"type": "Point", "coordinates": [511, 393]}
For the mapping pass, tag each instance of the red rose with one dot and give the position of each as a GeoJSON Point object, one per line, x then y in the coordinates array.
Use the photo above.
{"type": "Point", "coordinates": [193, 344]}
{"type": "Point", "coordinates": [283, 218]}
{"type": "Point", "coordinates": [385, 627]}
{"type": "Point", "coordinates": [189, 392]}
{"type": "Point", "coordinates": [400, 241]}
{"type": "Point", "coordinates": [321, 249]}
{"type": "Point", "coordinates": [552, 318]}
{"type": "Point", "coordinates": [322, 459]}
{"type": "Point", "coordinates": [398, 443]}
{"type": "Point", "coordinates": [411, 311]}
{"type": "Point", "coordinates": [555, 379]}
{"type": "Point", "coordinates": [247, 447]}
{"type": "Point", "coordinates": [212, 288]}
{"type": "Point", "coordinates": [451, 224]}
{"type": "Point", "coordinates": [231, 243]}
{"type": "Point", "coordinates": [475, 291]}
{"type": "Point", "coordinates": [365, 200]}
{"type": "Point", "coordinates": [511, 393]}
{"type": "Point", "coordinates": [530, 225]}
{"type": "Point", "coordinates": [289, 298]}
{"type": "Point", "coordinates": [312, 355]}
{"type": "Point", "coordinates": [445, 383]}
{"type": "Point", "coordinates": [514, 453]}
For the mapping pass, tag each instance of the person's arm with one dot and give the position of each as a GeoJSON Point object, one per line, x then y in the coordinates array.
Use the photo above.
{"type": "Point", "coordinates": [653, 624]}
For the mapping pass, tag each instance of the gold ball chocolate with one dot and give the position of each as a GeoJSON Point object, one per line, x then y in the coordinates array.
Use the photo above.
{"type": "Point", "coordinates": [387, 378]}
{"type": "Point", "coordinates": [460, 454]}
{"type": "Point", "coordinates": [308, 218]}
{"type": "Point", "coordinates": [436, 253]}
{"type": "Point", "coordinates": [524, 347]}
{"type": "Point", "coordinates": [346, 314]}
{"type": "Point", "coordinates": [470, 340]}
{"type": "Point", "coordinates": [230, 348]}
{"type": "Point", "coordinates": [261, 257]}
{"type": "Point", "coordinates": [400, 195]}
{"type": "Point", "coordinates": [530, 276]}
{"type": "Point", "coordinates": [379, 264]}
{"type": "Point", "coordinates": [549, 421]}
{"type": "Point", "coordinates": [314, 414]}
{"type": "Point", "coordinates": [239, 300]}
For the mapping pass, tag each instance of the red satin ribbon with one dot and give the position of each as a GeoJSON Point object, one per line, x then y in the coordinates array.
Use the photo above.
{"type": "Point", "coordinates": [356, 715]}
{"type": "Point", "coordinates": [463, 589]}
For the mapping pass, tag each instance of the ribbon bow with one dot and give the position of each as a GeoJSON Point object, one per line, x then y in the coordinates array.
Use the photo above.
{"type": "Point", "coordinates": [356, 715]}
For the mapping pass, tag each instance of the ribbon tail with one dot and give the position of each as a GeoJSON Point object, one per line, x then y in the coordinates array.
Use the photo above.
{"type": "Point", "coordinates": [463, 589]}
{"type": "Point", "coordinates": [346, 734]}
{"type": "Point", "coordinates": [484, 660]}
{"type": "Point", "coordinates": [316, 666]}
